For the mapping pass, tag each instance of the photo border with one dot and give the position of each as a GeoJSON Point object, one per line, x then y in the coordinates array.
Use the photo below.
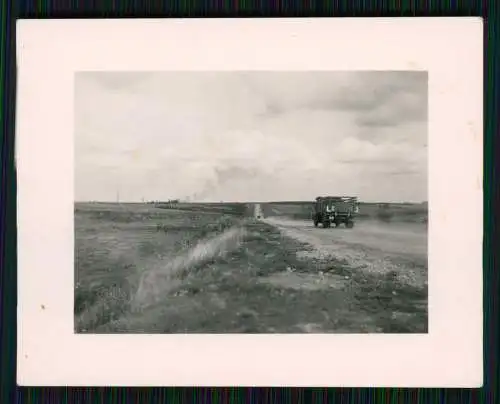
{"type": "Point", "coordinates": [34, 368]}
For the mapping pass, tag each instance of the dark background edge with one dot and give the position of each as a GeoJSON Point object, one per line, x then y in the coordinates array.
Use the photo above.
{"type": "Point", "coordinates": [11, 11]}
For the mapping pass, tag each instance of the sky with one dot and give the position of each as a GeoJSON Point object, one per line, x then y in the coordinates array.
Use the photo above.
{"type": "Point", "coordinates": [250, 136]}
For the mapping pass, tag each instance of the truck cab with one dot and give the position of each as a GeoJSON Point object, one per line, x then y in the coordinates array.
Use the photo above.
{"type": "Point", "coordinates": [335, 210]}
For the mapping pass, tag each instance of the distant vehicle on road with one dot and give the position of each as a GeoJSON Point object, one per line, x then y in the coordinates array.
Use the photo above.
{"type": "Point", "coordinates": [258, 211]}
{"type": "Point", "coordinates": [335, 210]}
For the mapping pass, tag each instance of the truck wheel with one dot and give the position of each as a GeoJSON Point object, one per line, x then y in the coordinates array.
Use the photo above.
{"type": "Point", "coordinates": [326, 224]}
{"type": "Point", "coordinates": [315, 223]}
{"type": "Point", "coordinates": [349, 224]}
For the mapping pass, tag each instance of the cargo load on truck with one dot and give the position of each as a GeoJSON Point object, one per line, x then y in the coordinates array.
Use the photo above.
{"type": "Point", "coordinates": [335, 210]}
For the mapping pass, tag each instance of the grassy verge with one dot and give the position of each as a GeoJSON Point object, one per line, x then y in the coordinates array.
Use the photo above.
{"type": "Point", "coordinates": [390, 305]}
{"type": "Point", "coordinates": [115, 245]}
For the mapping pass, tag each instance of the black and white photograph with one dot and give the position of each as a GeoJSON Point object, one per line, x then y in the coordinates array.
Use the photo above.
{"type": "Point", "coordinates": [197, 197]}
{"type": "Point", "coordinates": [251, 202]}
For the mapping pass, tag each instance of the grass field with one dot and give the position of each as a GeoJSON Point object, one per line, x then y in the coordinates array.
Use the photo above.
{"type": "Point", "coordinates": [237, 209]}
{"type": "Point", "coordinates": [211, 268]}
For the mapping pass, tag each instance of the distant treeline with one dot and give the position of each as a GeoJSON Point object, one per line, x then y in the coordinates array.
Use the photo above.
{"type": "Point", "coordinates": [292, 203]}
{"type": "Point", "coordinates": [170, 201]}
{"type": "Point", "coordinates": [360, 202]}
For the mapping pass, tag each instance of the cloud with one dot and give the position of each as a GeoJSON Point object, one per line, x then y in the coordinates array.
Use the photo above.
{"type": "Point", "coordinates": [250, 135]}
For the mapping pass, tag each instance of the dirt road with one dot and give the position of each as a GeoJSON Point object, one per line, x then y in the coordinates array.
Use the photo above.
{"type": "Point", "coordinates": [369, 246]}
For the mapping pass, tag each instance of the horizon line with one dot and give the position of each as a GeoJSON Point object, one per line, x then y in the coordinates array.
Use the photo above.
{"type": "Point", "coordinates": [148, 202]}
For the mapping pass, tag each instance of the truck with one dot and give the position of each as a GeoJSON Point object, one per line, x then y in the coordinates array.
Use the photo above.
{"type": "Point", "coordinates": [336, 210]}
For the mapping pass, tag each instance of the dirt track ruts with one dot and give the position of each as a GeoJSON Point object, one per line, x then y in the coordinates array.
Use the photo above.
{"type": "Point", "coordinates": [369, 246]}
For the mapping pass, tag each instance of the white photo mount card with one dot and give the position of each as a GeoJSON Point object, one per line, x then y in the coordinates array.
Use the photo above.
{"type": "Point", "coordinates": [250, 202]}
